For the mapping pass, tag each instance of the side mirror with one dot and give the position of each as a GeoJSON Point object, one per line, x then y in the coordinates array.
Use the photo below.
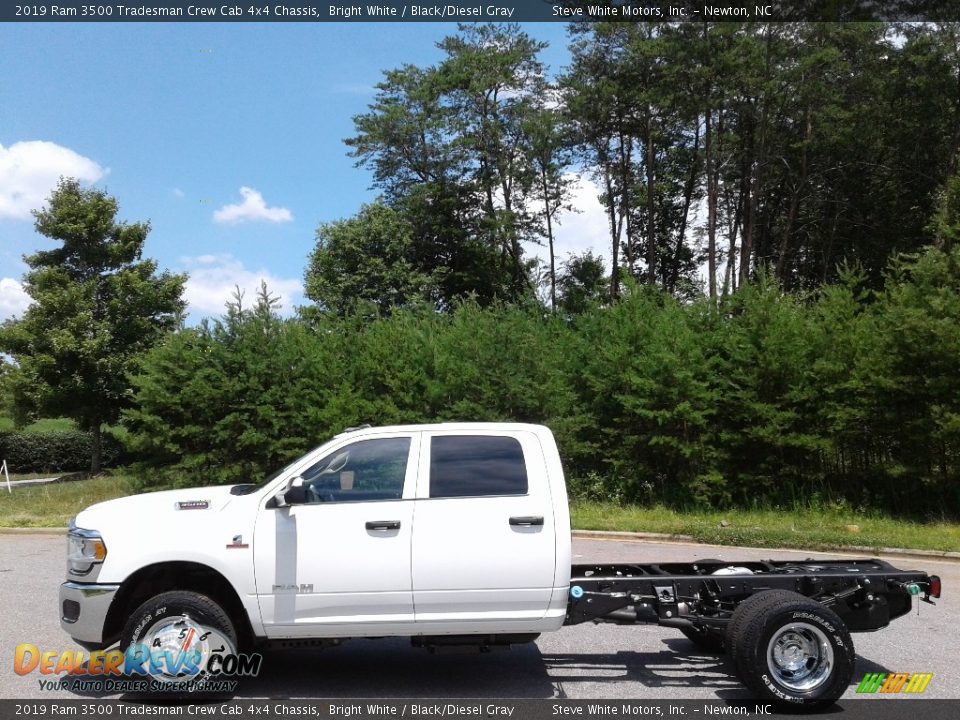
{"type": "Point", "coordinates": [294, 493]}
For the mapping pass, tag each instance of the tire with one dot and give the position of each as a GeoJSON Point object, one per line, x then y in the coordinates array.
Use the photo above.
{"type": "Point", "coordinates": [793, 652]}
{"type": "Point", "coordinates": [170, 609]}
{"type": "Point", "coordinates": [711, 641]}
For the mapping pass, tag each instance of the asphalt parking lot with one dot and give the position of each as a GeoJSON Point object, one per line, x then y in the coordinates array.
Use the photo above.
{"type": "Point", "coordinates": [580, 662]}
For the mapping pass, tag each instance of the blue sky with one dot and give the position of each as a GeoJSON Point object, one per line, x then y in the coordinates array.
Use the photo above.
{"type": "Point", "coordinates": [228, 138]}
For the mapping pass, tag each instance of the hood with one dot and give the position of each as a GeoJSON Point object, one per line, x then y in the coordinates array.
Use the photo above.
{"type": "Point", "coordinates": [167, 506]}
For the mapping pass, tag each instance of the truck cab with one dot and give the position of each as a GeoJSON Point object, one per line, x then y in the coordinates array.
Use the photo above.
{"type": "Point", "coordinates": [428, 530]}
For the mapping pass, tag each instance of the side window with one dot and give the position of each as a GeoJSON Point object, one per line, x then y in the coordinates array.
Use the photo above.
{"type": "Point", "coordinates": [472, 465]}
{"type": "Point", "coordinates": [362, 471]}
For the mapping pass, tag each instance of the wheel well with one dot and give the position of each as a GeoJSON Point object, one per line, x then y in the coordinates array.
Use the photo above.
{"type": "Point", "coordinates": [152, 580]}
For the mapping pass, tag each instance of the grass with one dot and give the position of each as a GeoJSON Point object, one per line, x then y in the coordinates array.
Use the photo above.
{"type": "Point", "coordinates": [53, 505]}
{"type": "Point", "coordinates": [810, 528]}
{"type": "Point", "coordinates": [42, 425]}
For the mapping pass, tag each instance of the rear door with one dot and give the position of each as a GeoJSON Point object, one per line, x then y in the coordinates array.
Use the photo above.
{"type": "Point", "coordinates": [483, 540]}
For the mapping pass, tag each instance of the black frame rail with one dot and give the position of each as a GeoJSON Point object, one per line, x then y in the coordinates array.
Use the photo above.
{"type": "Point", "coordinates": [866, 593]}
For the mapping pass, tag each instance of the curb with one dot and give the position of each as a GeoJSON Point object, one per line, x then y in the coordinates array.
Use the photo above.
{"type": "Point", "coordinates": [622, 535]}
{"type": "Point", "coordinates": [946, 555]}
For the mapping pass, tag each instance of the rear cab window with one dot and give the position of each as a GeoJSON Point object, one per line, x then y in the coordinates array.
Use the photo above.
{"type": "Point", "coordinates": [477, 466]}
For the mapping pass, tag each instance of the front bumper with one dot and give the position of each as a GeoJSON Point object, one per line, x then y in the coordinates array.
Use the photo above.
{"type": "Point", "coordinates": [83, 610]}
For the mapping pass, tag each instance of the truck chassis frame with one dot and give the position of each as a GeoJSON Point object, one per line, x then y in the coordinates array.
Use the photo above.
{"type": "Point", "coordinates": [867, 594]}
{"type": "Point", "coordinates": [785, 624]}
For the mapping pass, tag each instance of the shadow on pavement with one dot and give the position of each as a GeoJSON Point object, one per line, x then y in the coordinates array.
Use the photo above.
{"type": "Point", "coordinates": [391, 668]}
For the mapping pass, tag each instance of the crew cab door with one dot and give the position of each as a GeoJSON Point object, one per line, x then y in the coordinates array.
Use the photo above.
{"type": "Point", "coordinates": [340, 562]}
{"type": "Point", "coordinates": [484, 540]}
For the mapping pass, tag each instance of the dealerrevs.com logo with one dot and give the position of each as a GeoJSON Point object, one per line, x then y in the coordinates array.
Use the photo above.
{"type": "Point", "coordinates": [894, 683]}
{"type": "Point", "coordinates": [176, 655]}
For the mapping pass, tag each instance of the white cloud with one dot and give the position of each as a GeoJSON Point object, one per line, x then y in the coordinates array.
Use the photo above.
{"type": "Point", "coordinates": [29, 170]}
{"type": "Point", "coordinates": [252, 208]}
{"type": "Point", "coordinates": [575, 233]}
{"type": "Point", "coordinates": [178, 193]}
{"type": "Point", "coordinates": [214, 279]}
{"type": "Point", "coordinates": [13, 298]}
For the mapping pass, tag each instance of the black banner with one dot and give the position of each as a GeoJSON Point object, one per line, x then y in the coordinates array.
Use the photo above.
{"type": "Point", "coordinates": [478, 11]}
{"type": "Point", "coordinates": [892, 708]}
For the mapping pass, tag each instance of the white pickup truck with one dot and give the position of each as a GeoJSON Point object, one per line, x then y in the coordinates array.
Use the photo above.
{"type": "Point", "coordinates": [451, 534]}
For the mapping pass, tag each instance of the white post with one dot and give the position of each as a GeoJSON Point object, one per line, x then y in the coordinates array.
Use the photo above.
{"type": "Point", "coordinates": [6, 472]}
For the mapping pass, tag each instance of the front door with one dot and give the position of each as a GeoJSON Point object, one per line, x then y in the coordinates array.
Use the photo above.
{"type": "Point", "coordinates": [340, 562]}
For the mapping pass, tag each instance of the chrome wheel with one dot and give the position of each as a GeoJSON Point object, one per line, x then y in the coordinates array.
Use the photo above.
{"type": "Point", "coordinates": [800, 657]}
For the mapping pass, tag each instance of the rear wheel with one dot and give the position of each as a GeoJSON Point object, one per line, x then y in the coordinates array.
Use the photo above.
{"type": "Point", "coordinates": [793, 651]}
{"type": "Point", "coordinates": [746, 609]}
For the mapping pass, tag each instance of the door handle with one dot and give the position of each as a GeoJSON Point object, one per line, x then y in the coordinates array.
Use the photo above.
{"type": "Point", "coordinates": [527, 520]}
{"type": "Point", "coordinates": [383, 525]}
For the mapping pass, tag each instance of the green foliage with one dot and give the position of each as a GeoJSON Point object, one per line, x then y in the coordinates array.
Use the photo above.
{"type": "Point", "coordinates": [234, 398]}
{"type": "Point", "coordinates": [812, 144]}
{"type": "Point", "coordinates": [367, 262]}
{"type": "Point", "coordinates": [645, 379]}
{"type": "Point", "coordinates": [946, 220]}
{"type": "Point", "coordinates": [847, 396]}
{"type": "Point", "coordinates": [581, 284]}
{"type": "Point", "coordinates": [915, 390]}
{"type": "Point", "coordinates": [763, 374]}
{"type": "Point", "coordinates": [463, 152]}
{"type": "Point", "coordinates": [54, 450]}
{"type": "Point", "coordinates": [97, 306]}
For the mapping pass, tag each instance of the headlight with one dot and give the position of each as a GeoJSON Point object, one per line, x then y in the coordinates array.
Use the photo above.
{"type": "Point", "coordinates": [85, 548]}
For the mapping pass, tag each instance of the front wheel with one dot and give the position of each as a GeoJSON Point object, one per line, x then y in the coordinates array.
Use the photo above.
{"type": "Point", "coordinates": [793, 651]}
{"type": "Point", "coordinates": [172, 637]}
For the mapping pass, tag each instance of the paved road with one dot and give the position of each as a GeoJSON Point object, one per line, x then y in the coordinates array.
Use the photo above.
{"type": "Point", "coordinates": [585, 661]}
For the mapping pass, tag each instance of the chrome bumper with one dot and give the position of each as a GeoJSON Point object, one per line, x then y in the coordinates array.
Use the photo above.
{"type": "Point", "coordinates": [83, 610]}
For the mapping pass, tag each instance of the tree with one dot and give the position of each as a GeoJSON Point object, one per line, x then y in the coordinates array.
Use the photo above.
{"type": "Point", "coordinates": [582, 283]}
{"type": "Point", "coordinates": [490, 77]}
{"type": "Point", "coordinates": [237, 397]}
{"type": "Point", "coordinates": [448, 147]}
{"type": "Point", "coordinates": [366, 259]}
{"type": "Point", "coordinates": [97, 307]}
{"type": "Point", "coordinates": [551, 160]}
{"type": "Point", "coordinates": [598, 102]}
